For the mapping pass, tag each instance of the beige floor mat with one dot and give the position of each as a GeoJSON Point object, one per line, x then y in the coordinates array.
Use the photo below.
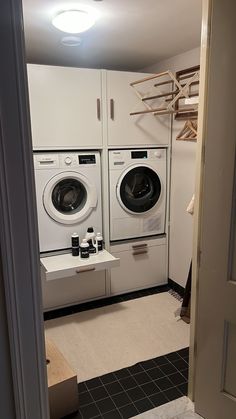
{"type": "Point", "coordinates": [106, 339]}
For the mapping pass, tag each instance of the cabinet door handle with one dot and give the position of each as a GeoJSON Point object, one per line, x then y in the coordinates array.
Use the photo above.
{"type": "Point", "coordinates": [139, 246]}
{"type": "Point", "coordinates": [112, 113]}
{"type": "Point", "coordinates": [140, 252]}
{"type": "Point", "coordinates": [78, 270]}
{"type": "Point", "coordinates": [99, 109]}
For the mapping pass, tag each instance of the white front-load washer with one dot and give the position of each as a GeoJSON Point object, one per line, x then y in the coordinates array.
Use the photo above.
{"type": "Point", "coordinates": [137, 192]}
{"type": "Point", "coordinates": [68, 192]}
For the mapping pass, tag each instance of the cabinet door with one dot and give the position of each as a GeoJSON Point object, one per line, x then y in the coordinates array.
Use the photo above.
{"type": "Point", "coordinates": [127, 130]}
{"type": "Point", "coordinates": [73, 290]}
{"type": "Point", "coordinates": [65, 107]}
{"type": "Point", "coordinates": [139, 268]}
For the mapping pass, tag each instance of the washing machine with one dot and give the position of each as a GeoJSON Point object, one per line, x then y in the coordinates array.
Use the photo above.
{"type": "Point", "coordinates": [138, 189]}
{"type": "Point", "coordinates": [68, 191]}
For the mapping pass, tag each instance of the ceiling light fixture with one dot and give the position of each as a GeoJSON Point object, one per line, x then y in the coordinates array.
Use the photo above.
{"type": "Point", "coordinates": [74, 21]}
{"type": "Point", "coordinates": [71, 41]}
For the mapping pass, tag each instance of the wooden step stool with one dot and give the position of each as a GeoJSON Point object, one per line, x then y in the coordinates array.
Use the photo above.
{"type": "Point", "coordinates": [62, 383]}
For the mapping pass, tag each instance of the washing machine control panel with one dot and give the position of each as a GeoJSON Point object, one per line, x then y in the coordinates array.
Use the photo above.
{"type": "Point", "coordinates": [75, 160]}
{"type": "Point", "coordinates": [158, 153]}
{"type": "Point", "coordinates": [64, 160]}
{"type": "Point", "coordinates": [68, 161]}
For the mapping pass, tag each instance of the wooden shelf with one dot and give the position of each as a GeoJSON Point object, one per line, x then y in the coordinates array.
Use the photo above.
{"type": "Point", "coordinates": [63, 266]}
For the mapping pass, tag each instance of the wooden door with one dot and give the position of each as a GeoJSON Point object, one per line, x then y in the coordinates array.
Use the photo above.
{"type": "Point", "coordinates": [126, 130]}
{"type": "Point", "coordinates": [65, 107]}
{"type": "Point", "coordinates": [215, 383]}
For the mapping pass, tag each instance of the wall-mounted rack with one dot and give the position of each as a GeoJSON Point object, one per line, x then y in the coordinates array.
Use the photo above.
{"type": "Point", "coordinates": [167, 93]}
{"type": "Point", "coordinates": [182, 76]}
{"type": "Point", "coordinates": [189, 132]}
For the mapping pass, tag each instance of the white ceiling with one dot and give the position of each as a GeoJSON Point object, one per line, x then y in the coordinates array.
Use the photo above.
{"type": "Point", "coordinates": [130, 34]}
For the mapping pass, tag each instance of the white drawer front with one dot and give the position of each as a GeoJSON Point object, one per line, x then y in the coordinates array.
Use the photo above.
{"type": "Point", "coordinates": [64, 266]}
{"type": "Point", "coordinates": [67, 291]}
{"type": "Point", "coordinates": [130, 245]}
{"type": "Point", "coordinates": [139, 268]}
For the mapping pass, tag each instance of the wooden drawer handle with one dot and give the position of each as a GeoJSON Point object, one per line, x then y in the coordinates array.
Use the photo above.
{"type": "Point", "coordinates": [79, 271]}
{"type": "Point", "coordinates": [140, 252]}
{"type": "Point", "coordinates": [139, 246]}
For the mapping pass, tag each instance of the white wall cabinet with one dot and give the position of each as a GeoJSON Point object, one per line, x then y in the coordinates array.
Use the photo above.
{"type": "Point", "coordinates": [67, 113]}
{"type": "Point", "coordinates": [126, 130]}
{"type": "Point", "coordinates": [143, 264]}
{"type": "Point", "coordinates": [65, 107]}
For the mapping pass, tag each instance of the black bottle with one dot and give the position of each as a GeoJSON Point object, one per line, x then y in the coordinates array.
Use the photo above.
{"type": "Point", "coordinates": [75, 244]}
{"type": "Point", "coordinates": [84, 249]}
{"type": "Point", "coordinates": [99, 240]}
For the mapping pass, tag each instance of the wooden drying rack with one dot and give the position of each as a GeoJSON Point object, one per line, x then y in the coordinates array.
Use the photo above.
{"type": "Point", "coordinates": [180, 90]}
{"type": "Point", "coordinates": [189, 132]}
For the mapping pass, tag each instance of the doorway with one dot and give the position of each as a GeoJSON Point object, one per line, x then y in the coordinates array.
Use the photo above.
{"type": "Point", "coordinates": [147, 248]}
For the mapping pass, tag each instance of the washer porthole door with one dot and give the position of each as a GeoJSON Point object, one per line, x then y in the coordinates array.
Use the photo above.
{"type": "Point", "coordinates": [69, 197]}
{"type": "Point", "coordinates": [139, 189]}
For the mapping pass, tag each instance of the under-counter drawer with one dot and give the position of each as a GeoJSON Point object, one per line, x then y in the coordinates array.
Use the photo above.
{"type": "Point", "coordinates": [66, 265]}
{"type": "Point", "coordinates": [131, 245]}
{"type": "Point", "coordinates": [73, 290]}
{"type": "Point", "coordinates": [143, 264]}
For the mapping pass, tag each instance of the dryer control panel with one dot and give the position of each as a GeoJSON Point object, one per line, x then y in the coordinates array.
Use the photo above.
{"type": "Point", "coordinates": [118, 158]}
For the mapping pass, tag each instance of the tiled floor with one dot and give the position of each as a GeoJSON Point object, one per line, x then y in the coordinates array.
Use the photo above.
{"type": "Point", "coordinates": [134, 390]}
{"type": "Point", "coordinates": [181, 408]}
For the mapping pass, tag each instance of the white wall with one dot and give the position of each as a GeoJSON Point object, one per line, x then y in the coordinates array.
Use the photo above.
{"type": "Point", "coordinates": [182, 181]}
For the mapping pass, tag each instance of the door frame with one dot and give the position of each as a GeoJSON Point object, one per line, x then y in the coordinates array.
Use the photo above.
{"type": "Point", "coordinates": [200, 163]}
{"type": "Point", "coordinates": [19, 250]}
{"type": "Point", "coordinates": [213, 235]}
{"type": "Point", "coordinates": [20, 258]}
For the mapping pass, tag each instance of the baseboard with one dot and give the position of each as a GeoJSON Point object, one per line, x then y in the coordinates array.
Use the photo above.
{"type": "Point", "coordinates": [76, 308]}
{"type": "Point", "coordinates": [176, 287]}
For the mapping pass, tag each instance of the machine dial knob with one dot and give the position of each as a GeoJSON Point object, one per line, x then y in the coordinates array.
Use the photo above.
{"type": "Point", "coordinates": [68, 160]}
{"type": "Point", "coordinates": [157, 154]}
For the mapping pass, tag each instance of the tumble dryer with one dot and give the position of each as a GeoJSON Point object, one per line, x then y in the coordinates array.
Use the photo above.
{"type": "Point", "coordinates": [138, 184]}
{"type": "Point", "coordinates": [68, 192]}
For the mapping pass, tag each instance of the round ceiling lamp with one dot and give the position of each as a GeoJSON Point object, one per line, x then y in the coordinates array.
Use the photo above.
{"type": "Point", "coordinates": [74, 21]}
{"type": "Point", "coordinates": [71, 41]}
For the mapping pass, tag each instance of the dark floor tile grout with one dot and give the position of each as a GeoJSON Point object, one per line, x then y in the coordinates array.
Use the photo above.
{"type": "Point", "coordinates": [140, 398]}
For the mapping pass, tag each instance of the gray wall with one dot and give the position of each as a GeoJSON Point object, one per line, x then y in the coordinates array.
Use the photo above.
{"type": "Point", "coordinates": [182, 181]}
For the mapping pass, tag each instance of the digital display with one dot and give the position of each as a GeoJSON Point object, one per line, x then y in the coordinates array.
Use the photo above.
{"type": "Point", "coordinates": [87, 159]}
{"type": "Point", "coordinates": [141, 154]}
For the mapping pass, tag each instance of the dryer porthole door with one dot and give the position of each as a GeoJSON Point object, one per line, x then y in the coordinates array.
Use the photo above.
{"type": "Point", "coordinates": [69, 197]}
{"type": "Point", "coordinates": [139, 189]}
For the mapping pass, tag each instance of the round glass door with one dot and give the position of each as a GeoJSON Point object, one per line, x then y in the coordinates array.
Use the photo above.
{"type": "Point", "coordinates": [69, 196]}
{"type": "Point", "coordinates": [140, 189]}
